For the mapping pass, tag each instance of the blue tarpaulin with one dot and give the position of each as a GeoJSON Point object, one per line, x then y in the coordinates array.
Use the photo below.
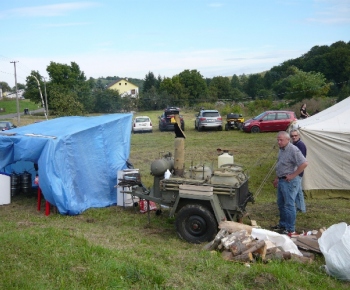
{"type": "Point", "coordinates": [78, 158]}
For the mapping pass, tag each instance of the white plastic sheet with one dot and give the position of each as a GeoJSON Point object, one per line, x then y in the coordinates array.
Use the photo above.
{"type": "Point", "coordinates": [335, 246]}
{"type": "Point", "coordinates": [279, 240]}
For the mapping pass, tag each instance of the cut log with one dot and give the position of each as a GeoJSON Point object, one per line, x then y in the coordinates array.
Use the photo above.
{"type": "Point", "coordinates": [248, 257]}
{"type": "Point", "coordinates": [238, 248]}
{"type": "Point", "coordinates": [255, 247]}
{"type": "Point", "coordinates": [234, 237]}
{"type": "Point", "coordinates": [301, 259]}
{"type": "Point", "coordinates": [217, 240]}
{"type": "Point", "coordinates": [261, 252]}
{"type": "Point", "coordinates": [274, 250]}
{"type": "Point", "coordinates": [253, 223]}
{"type": "Point", "coordinates": [279, 256]}
{"type": "Point", "coordinates": [308, 255]}
{"type": "Point", "coordinates": [232, 227]}
{"type": "Point", "coordinates": [227, 255]}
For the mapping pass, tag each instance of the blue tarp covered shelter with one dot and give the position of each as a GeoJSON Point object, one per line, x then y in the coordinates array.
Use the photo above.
{"type": "Point", "coordinates": [78, 158]}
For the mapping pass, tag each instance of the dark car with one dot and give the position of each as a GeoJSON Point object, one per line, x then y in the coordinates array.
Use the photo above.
{"type": "Point", "coordinates": [167, 120]}
{"type": "Point", "coordinates": [4, 125]}
{"type": "Point", "coordinates": [270, 121]}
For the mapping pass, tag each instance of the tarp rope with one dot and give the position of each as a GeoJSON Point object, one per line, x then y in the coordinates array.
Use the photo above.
{"type": "Point", "coordinates": [269, 172]}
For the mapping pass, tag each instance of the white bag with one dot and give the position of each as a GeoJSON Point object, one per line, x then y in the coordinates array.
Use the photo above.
{"type": "Point", "coordinates": [335, 246]}
{"type": "Point", "coordinates": [167, 174]}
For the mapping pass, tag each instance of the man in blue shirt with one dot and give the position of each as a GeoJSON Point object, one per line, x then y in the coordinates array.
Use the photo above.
{"type": "Point", "coordinates": [290, 163]}
{"type": "Point", "coordinates": [299, 201]}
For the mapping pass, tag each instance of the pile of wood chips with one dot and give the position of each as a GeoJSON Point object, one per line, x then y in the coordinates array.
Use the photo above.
{"type": "Point", "coordinates": [235, 242]}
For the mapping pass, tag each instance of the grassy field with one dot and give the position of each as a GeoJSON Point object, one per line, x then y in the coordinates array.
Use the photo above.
{"type": "Point", "coordinates": [117, 248]}
{"type": "Point", "coordinates": [10, 106]}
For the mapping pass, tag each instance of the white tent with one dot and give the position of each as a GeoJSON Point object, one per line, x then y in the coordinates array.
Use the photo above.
{"type": "Point", "coordinates": [327, 138]}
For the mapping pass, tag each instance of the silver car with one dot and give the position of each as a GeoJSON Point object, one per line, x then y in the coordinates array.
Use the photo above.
{"type": "Point", "coordinates": [208, 119]}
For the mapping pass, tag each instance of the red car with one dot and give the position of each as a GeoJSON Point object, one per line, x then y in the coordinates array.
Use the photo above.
{"type": "Point", "coordinates": [270, 121]}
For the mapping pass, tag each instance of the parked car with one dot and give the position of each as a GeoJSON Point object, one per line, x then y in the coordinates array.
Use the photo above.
{"type": "Point", "coordinates": [208, 119]}
{"type": "Point", "coordinates": [167, 120]}
{"type": "Point", "coordinates": [142, 124]}
{"type": "Point", "coordinates": [4, 125]}
{"type": "Point", "coordinates": [270, 121]}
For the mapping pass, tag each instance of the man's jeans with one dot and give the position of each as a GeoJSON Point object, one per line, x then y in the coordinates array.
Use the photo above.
{"type": "Point", "coordinates": [299, 200]}
{"type": "Point", "coordinates": [286, 194]}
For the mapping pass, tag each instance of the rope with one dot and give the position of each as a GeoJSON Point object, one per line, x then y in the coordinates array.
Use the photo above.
{"type": "Point", "coordinates": [265, 179]}
{"type": "Point", "coordinates": [268, 174]}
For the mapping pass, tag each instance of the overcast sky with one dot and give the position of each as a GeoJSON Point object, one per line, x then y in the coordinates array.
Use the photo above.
{"type": "Point", "coordinates": [129, 38]}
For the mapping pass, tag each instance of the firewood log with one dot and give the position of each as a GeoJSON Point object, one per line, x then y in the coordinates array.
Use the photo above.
{"type": "Point", "coordinates": [227, 255]}
{"type": "Point", "coordinates": [234, 227]}
{"type": "Point", "coordinates": [301, 259]}
{"type": "Point", "coordinates": [247, 257]}
{"type": "Point", "coordinates": [234, 237]}
{"type": "Point", "coordinates": [278, 256]}
{"type": "Point", "coordinates": [238, 248]}
{"type": "Point", "coordinates": [257, 246]}
{"type": "Point", "coordinates": [217, 240]}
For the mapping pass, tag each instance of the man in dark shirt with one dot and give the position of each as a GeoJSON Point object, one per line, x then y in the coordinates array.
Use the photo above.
{"type": "Point", "coordinates": [299, 201]}
{"type": "Point", "coordinates": [290, 163]}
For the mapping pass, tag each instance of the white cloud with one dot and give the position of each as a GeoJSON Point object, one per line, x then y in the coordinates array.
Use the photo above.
{"type": "Point", "coordinates": [136, 64]}
{"type": "Point", "coordinates": [47, 10]}
{"type": "Point", "coordinates": [331, 12]}
{"type": "Point", "coordinates": [215, 5]}
{"type": "Point", "coordinates": [67, 24]}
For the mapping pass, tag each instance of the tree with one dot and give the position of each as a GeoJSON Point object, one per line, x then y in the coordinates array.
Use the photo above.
{"type": "Point", "coordinates": [270, 78]}
{"type": "Point", "coordinates": [150, 81]}
{"type": "Point", "coordinates": [306, 85]}
{"type": "Point", "coordinates": [235, 82]}
{"type": "Point", "coordinates": [254, 84]}
{"type": "Point", "coordinates": [64, 103]}
{"type": "Point", "coordinates": [106, 101]}
{"type": "Point", "coordinates": [174, 90]}
{"type": "Point", "coordinates": [220, 88]}
{"type": "Point", "coordinates": [5, 87]}
{"type": "Point", "coordinates": [70, 78]}
{"type": "Point", "coordinates": [32, 91]}
{"type": "Point", "coordinates": [195, 86]}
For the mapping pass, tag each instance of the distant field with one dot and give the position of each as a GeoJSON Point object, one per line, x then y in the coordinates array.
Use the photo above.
{"type": "Point", "coordinates": [10, 106]}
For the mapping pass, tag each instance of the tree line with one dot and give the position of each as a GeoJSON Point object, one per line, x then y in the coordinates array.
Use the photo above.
{"type": "Point", "coordinates": [324, 71]}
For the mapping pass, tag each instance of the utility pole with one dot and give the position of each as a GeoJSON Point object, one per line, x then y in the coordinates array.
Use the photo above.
{"type": "Point", "coordinates": [17, 102]}
{"type": "Point", "coordinates": [46, 104]}
{"type": "Point", "coordinates": [41, 95]}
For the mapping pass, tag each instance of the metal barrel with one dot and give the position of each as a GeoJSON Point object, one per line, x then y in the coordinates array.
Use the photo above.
{"type": "Point", "coordinates": [15, 184]}
{"type": "Point", "coordinates": [26, 182]}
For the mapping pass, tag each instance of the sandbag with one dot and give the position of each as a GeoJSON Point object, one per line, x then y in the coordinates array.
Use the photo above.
{"type": "Point", "coordinates": [335, 246]}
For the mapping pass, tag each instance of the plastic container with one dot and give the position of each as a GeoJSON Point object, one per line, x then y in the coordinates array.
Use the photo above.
{"type": "Point", "coordinates": [225, 158]}
{"type": "Point", "coordinates": [5, 188]}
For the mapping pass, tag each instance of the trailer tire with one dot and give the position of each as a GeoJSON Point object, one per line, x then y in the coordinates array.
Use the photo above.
{"type": "Point", "coordinates": [196, 224]}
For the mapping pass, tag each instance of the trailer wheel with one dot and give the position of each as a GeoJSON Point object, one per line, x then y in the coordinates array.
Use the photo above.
{"type": "Point", "coordinates": [196, 224]}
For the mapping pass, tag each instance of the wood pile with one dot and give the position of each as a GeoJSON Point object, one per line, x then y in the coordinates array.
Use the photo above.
{"type": "Point", "coordinates": [235, 243]}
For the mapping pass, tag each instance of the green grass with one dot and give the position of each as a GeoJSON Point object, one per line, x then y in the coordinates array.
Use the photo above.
{"type": "Point", "coordinates": [117, 248]}
{"type": "Point", "coordinates": [10, 106]}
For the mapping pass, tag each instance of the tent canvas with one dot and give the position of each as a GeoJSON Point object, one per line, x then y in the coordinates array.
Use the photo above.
{"type": "Point", "coordinates": [327, 138]}
{"type": "Point", "coordinates": [78, 158]}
